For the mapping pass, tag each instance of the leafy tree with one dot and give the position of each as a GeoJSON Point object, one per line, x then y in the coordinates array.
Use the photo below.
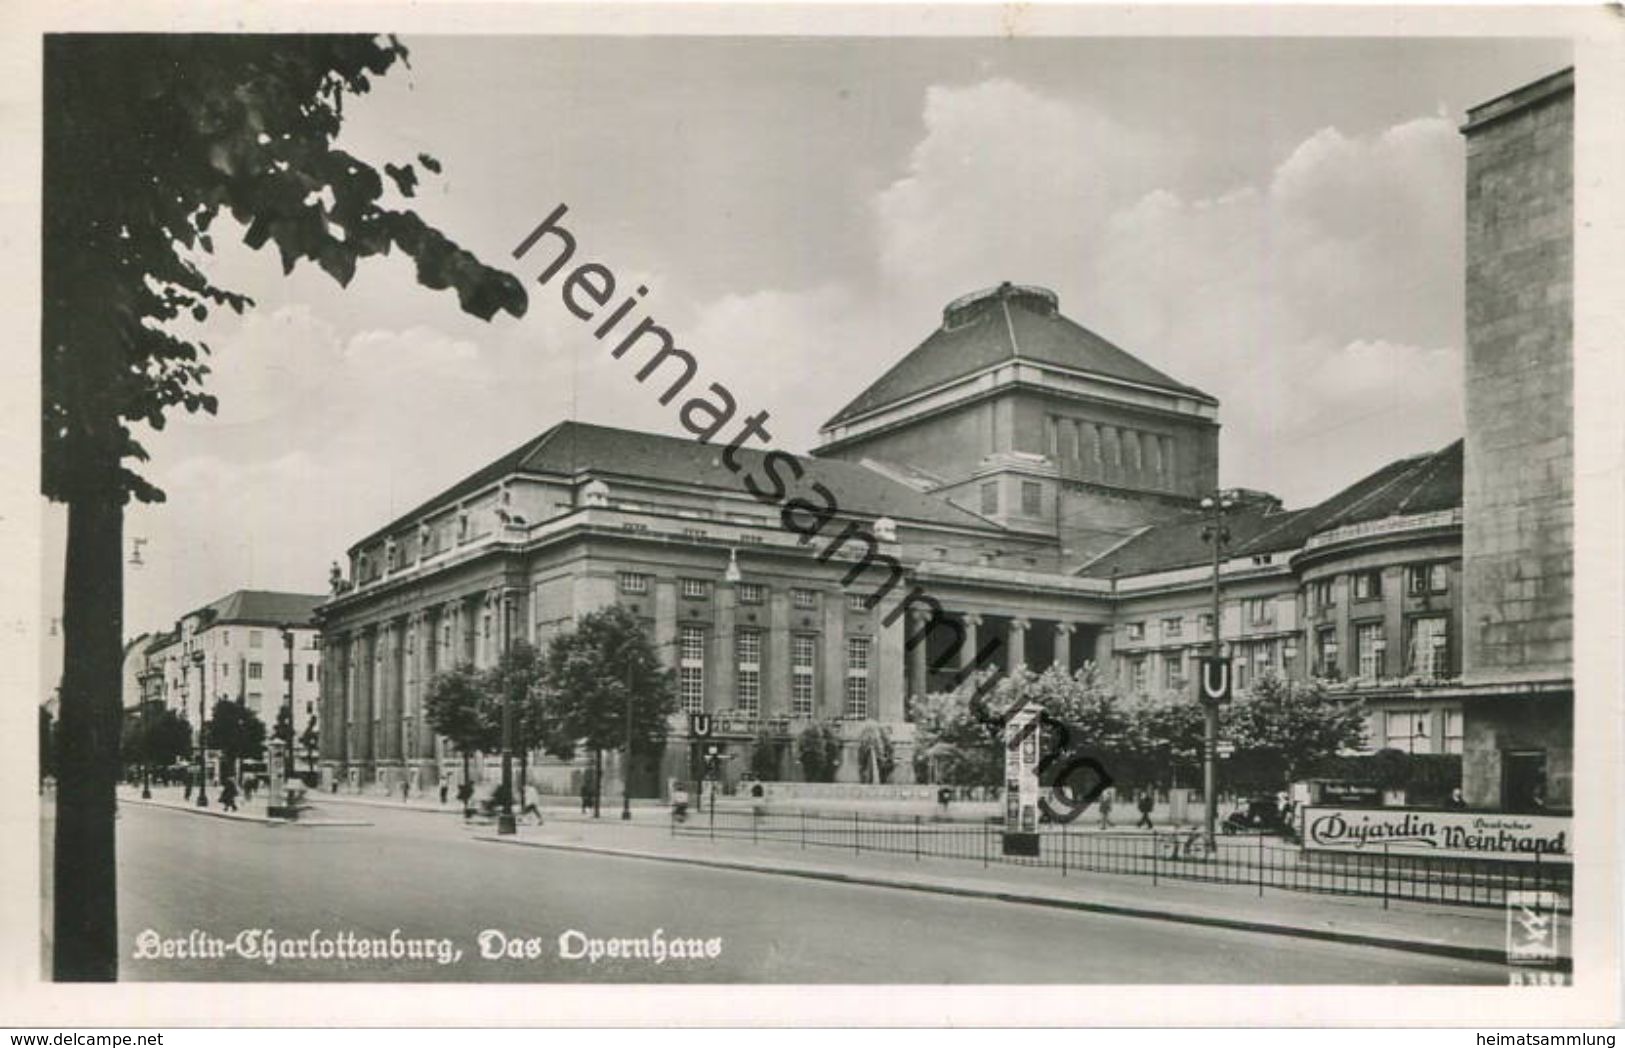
{"type": "Point", "coordinates": [1169, 733]}
{"type": "Point", "coordinates": [156, 737]}
{"type": "Point", "coordinates": [520, 675]}
{"type": "Point", "coordinates": [593, 669]}
{"type": "Point", "coordinates": [455, 705]}
{"type": "Point", "coordinates": [148, 140]}
{"type": "Point", "coordinates": [960, 734]}
{"type": "Point", "coordinates": [818, 748]}
{"type": "Point", "coordinates": [1292, 725]}
{"type": "Point", "coordinates": [236, 732]}
{"type": "Point", "coordinates": [766, 754]}
{"type": "Point", "coordinates": [876, 758]}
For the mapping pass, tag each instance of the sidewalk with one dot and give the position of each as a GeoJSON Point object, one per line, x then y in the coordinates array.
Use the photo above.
{"type": "Point", "coordinates": [1449, 931]}
{"type": "Point", "coordinates": [255, 811]}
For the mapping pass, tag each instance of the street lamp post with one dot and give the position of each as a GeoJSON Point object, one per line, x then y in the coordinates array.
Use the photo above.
{"type": "Point", "coordinates": [287, 763]}
{"type": "Point", "coordinates": [202, 730]}
{"type": "Point", "coordinates": [1217, 533]}
{"type": "Point", "coordinates": [146, 742]}
{"type": "Point", "coordinates": [626, 762]}
{"type": "Point", "coordinates": [506, 823]}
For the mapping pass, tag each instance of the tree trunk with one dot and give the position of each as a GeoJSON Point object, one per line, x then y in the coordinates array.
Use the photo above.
{"type": "Point", "coordinates": [85, 892]}
{"type": "Point", "coordinates": [597, 781]}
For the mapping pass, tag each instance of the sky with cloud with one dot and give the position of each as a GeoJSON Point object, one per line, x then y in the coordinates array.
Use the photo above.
{"type": "Point", "coordinates": [1276, 222]}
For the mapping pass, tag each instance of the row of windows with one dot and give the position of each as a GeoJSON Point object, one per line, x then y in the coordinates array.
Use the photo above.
{"type": "Point", "coordinates": [633, 583]}
{"type": "Point", "coordinates": [1092, 444]}
{"type": "Point", "coordinates": [1427, 651]}
{"type": "Point", "coordinates": [748, 672]}
{"type": "Point", "coordinates": [1420, 580]}
{"type": "Point", "coordinates": [256, 639]}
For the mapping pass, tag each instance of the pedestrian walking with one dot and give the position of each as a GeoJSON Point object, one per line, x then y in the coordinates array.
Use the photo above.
{"type": "Point", "coordinates": [406, 789]}
{"type": "Point", "coordinates": [248, 789]}
{"type": "Point", "coordinates": [527, 792]}
{"type": "Point", "coordinates": [228, 795]}
{"type": "Point", "coordinates": [186, 793]}
{"type": "Point", "coordinates": [586, 793]}
{"type": "Point", "coordinates": [445, 787]}
{"type": "Point", "coordinates": [1147, 802]}
{"type": "Point", "coordinates": [1105, 804]}
{"type": "Point", "coordinates": [465, 793]}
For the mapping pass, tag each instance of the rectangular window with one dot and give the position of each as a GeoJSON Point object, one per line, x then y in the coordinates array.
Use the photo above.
{"type": "Point", "coordinates": [1134, 631]}
{"type": "Point", "coordinates": [691, 669]}
{"type": "Point", "coordinates": [1367, 585]}
{"type": "Point", "coordinates": [1423, 579]}
{"type": "Point", "coordinates": [990, 497]}
{"type": "Point", "coordinates": [1429, 654]}
{"type": "Point", "coordinates": [255, 671]}
{"type": "Point", "coordinates": [1410, 731]}
{"type": "Point", "coordinates": [1206, 621]}
{"type": "Point", "coordinates": [1137, 673]}
{"type": "Point", "coordinates": [805, 599]}
{"type": "Point", "coordinates": [1455, 731]}
{"type": "Point", "coordinates": [857, 678]}
{"type": "Point", "coordinates": [1368, 647]}
{"type": "Point", "coordinates": [634, 526]}
{"type": "Point", "coordinates": [634, 583]}
{"type": "Point", "coordinates": [225, 638]}
{"type": "Point", "coordinates": [801, 675]}
{"type": "Point", "coordinates": [1032, 498]}
{"type": "Point", "coordinates": [750, 540]}
{"type": "Point", "coordinates": [256, 639]}
{"type": "Point", "coordinates": [1173, 672]}
{"type": "Point", "coordinates": [1260, 611]}
{"type": "Point", "coordinates": [1172, 628]}
{"type": "Point", "coordinates": [287, 672]}
{"type": "Point", "coordinates": [1326, 664]}
{"type": "Point", "coordinates": [694, 534]}
{"type": "Point", "coordinates": [751, 592]}
{"type": "Point", "coordinates": [748, 658]}
{"type": "Point", "coordinates": [696, 589]}
{"type": "Point", "coordinates": [1322, 595]}
{"type": "Point", "coordinates": [310, 673]}
{"type": "Point", "coordinates": [857, 602]}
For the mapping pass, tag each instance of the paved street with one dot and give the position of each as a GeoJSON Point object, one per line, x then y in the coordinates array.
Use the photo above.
{"type": "Point", "coordinates": [425, 876]}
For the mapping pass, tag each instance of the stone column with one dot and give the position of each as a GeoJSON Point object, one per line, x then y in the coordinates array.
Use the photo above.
{"type": "Point", "coordinates": [829, 697]}
{"type": "Point", "coordinates": [919, 624]}
{"type": "Point", "coordinates": [1063, 646]}
{"type": "Point", "coordinates": [392, 646]}
{"type": "Point", "coordinates": [776, 657]}
{"type": "Point", "coordinates": [887, 674]}
{"type": "Point", "coordinates": [1018, 644]}
{"type": "Point", "coordinates": [967, 654]}
{"type": "Point", "coordinates": [720, 696]}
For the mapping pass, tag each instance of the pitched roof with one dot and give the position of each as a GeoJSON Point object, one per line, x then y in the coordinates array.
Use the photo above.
{"type": "Point", "coordinates": [571, 448]}
{"type": "Point", "coordinates": [998, 324]}
{"type": "Point", "coordinates": [1418, 484]}
{"type": "Point", "coordinates": [263, 606]}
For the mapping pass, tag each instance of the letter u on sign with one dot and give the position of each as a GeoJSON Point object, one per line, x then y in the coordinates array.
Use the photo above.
{"type": "Point", "coordinates": [699, 725]}
{"type": "Point", "coordinates": [1215, 680]}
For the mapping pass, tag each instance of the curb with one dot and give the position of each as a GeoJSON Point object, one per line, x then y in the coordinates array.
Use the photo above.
{"type": "Point", "coordinates": [235, 817]}
{"type": "Point", "coordinates": [1436, 949]}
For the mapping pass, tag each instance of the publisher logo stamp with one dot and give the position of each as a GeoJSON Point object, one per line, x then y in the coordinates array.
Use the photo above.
{"type": "Point", "coordinates": [1533, 925]}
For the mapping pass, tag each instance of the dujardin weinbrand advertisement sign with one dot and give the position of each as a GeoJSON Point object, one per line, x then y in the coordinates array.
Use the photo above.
{"type": "Point", "coordinates": [1455, 834]}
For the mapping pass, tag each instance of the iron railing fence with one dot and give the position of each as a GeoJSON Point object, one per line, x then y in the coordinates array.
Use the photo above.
{"type": "Point", "coordinates": [1179, 855]}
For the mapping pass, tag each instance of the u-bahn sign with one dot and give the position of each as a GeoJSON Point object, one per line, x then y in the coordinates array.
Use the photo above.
{"type": "Point", "coordinates": [1213, 679]}
{"type": "Point", "coordinates": [699, 725]}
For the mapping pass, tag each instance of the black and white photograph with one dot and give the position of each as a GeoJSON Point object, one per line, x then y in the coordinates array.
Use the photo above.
{"type": "Point", "coordinates": [996, 501]}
